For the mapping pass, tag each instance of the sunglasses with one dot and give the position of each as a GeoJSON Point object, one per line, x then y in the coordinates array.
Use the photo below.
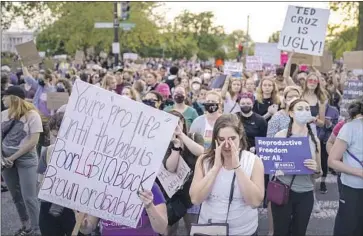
{"type": "Point", "coordinates": [313, 81]}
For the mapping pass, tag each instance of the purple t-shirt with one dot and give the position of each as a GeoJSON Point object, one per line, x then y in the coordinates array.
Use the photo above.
{"type": "Point", "coordinates": [109, 228]}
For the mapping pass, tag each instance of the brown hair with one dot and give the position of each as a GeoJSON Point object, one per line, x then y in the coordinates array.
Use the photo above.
{"type": "Point", "coordinates": [310, 132]}
{"type": "Point", "coordinates": [319, 91]}
{"type": "Point", "coordinates": [181, 117]}
{"type": "Point", "coordinates": [55, 121]}
{"type": "Point", "coordinates": [224, 121]}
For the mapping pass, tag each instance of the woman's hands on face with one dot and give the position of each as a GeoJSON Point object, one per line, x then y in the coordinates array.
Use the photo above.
{"type": "Point", "coordinates": [218, 154]}
{"type": "Point", "coordinates": [235, 153]}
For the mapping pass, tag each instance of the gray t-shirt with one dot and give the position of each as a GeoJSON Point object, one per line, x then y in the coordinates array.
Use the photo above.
{"type": "Point", "coordinates": [18, 132]}
{"type": "Point", "coordinates": [302, 183]}
{"type": "Point", "coordinates": [352, 134]}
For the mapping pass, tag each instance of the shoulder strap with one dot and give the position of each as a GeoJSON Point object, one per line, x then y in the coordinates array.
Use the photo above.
{"type": "Point", "coordinates": [231, 195]}
{"type": "Point", "coordinates": [8, 130]}
{"type": "Point", "coordinates": [355, 158]}
{"type": "Point", "coordinates": [292, 181]}
{"type": "Point", "coordinates": [235, 104]}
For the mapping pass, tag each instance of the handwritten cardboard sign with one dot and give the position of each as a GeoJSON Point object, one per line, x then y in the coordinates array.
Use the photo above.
{"type": "Point", "coordinates": [352, 90]}
{"type": "Point", "coordinates": [79, 57]}
{"type": "Point", "coordinates": [172, 182]}
{"type": "Point", "coordinates": [324, 63]}
{"type": "Point", "coordinates": [353, 60]}
{"type": "Point", "coordinates": [55, 100]}
{"type": "Point", "coordinates": [285, 154]}
{"type": "Point", "coordinates": [304, 30]}
{"type": "Point", "coordinates": [108, 148]}
{"type": "Point", "coordinates": [28, 53]}
{"type": "Point", "coordinates": [233, 67]}
{"type": "Point", "coordinates": [268, 52]}
{"type": "Point", "coordinates": [253, 63]}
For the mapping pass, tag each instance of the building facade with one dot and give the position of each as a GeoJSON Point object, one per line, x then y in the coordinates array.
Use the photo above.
{"type": "Point", "coordinates": [10, 39]}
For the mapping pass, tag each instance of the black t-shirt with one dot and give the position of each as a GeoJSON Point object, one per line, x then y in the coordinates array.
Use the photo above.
{"type": "Point", "coordinates": [262, 108]}
{"type": "Point", "coordinates": [255, 126]}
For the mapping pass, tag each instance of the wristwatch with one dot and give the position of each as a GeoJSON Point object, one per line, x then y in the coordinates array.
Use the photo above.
{"type": "Point", "coordinates": [179, 149]}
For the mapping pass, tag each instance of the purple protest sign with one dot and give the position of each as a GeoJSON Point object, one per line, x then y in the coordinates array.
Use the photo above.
{"type": "Point", "coordinates": [285, 154]}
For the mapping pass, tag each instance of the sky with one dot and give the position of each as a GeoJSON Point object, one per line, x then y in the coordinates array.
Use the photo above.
{"type": "Point", "coordinates": [265, 17]}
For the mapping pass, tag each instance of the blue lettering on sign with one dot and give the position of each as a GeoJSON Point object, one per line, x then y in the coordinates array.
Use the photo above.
{"type": "Point", "coordinates": [284, 165]}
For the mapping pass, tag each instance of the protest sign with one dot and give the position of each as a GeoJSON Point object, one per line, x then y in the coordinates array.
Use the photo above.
{"type": "Point", "coordinates": [108, 148]}
{"type": "Point", "coordinates": [172, 182]}
{"type": "Point", "coordinates": [353, 60]}
{"type": "Point", "coordinates": [324, 63]}
{"type": "Point", "coordinates": [60, 57]}
{"type": "Point", "coordinates": [352, 90]}
{"type": "Point", "coordinates": [130, 56]}
{"type": "Point", "coordinates": [304, 30]}
{"type": "Point", "coordinates": [285, 154]}
{"type": "Point", "coordinates": [268, 52]}
{"type": "Point", "coordinates": [284, 57]}
{"type": "Point", "coordinates": [253, 63]}
{"type": "Point", "coordinates": [79, 57]}
{"type": "Point", "coordinates": [302, 59]}
{"type": "Point", "coordinates": [232, 67]}
{"type": "Point", "coordinates": [41, 54]}
{"type": "Point", "coordinates": [56, 99]}
{"type": "Point", "coordinates": [218, 82]}
{"type": "Point", "coordinates": [28, 53]}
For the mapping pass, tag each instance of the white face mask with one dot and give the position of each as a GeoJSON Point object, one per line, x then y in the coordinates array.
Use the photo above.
{"type": "Point", "coordinates": [195, 86]}
{"type": "Point", "coordinates": [303, 117]}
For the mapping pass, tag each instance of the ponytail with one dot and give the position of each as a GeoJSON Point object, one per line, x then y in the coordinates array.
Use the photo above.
{"type": "Point", "coordinates": [311, 134]}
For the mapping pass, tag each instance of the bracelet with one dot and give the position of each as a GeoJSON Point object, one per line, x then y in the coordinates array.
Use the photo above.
{"type": "Point", "coordinates": [179, 149]}
{"type": "Point", "coordinates": [237, 167]}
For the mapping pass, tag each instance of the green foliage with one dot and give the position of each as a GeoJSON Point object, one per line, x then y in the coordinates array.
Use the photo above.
{"type": "Point", "coordinates": [275, 37]}
{"type": "Point", "coordinates": [345, 37]}
{"type": "Point", "coordinates": [189, 34]}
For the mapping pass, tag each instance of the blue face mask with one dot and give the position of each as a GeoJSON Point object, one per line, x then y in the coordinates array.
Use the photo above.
{"type": "Point", "coordinates": [303, 117]}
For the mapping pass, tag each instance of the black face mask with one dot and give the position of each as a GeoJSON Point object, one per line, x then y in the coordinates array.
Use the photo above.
{"type": "Point", "coordinates": [150, 103]}
{"type": "Point", "coordinates": [179, 98]}
{"type": "Point", "coordinates": [211, 107]}
{"type": "Point", "coordinates": [41, 82]}
{"type": "Point", "coordinates": [60, 90]}
{"type": "Point", "coordinates": [246, 109]}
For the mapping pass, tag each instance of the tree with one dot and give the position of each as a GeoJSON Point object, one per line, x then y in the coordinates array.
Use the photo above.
{"type": "Point", "coordinates": [275, 37]}
{"type": "Point", "coordinates": [345, 41]}
{"type": "Point", "coordinates": [234, 39]}
{"type": "Point", "coordinates": [74, 26]}
{"type": "Point", "coordinates": [353, 12]}
{"type": "Point", "coordinates": [10, 11]}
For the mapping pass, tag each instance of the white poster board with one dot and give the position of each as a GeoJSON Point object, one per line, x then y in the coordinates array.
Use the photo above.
{"type": "Point", "coordinates": [130, 56]}
{"type": "Point", "coordinates": [268, 52]}
{"type": "Point", "coordinates": [108, 148]}
{"type": "Point", "coordinates": [172, 182]}
{"type": "Point", "coordinates": [253, 63]}
{"type": "Point", "coordinates": [304, 30]}
{"type": "Point", "coordinates": [232, 67]}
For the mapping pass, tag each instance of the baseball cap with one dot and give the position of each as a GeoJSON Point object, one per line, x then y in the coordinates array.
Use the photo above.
{"type": "Point", "coordinates": [163, 89]}
{"type": "Point", "coordinates": [15, 91]}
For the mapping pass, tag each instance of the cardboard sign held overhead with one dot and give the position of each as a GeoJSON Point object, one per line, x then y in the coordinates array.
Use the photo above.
{"type": "Point", "coordinates": [79, 57]}
{"type": "Point", "coordinates": [304, 30]}
{"type": "Point", "coordinates": [56, 99]}
{"type": "Point", "coordinates": [353, 60]}
{"type": "Point", "coordinates": [28, 53]}
{"type": "Point", "coordinates": [325, 62]}
{"type": "Point", "coordinates": [268, 52]}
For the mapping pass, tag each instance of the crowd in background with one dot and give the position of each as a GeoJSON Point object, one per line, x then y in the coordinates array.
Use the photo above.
{"type": "Point", "coordinates": [219, 117]}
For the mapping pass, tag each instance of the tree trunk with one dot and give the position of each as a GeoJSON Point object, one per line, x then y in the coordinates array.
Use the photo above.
{"type": "Point", "coordinates": [359, 46]}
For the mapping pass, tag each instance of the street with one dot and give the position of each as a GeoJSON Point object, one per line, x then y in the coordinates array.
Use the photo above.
{"type": "Point", "coordinates": [321, 223]}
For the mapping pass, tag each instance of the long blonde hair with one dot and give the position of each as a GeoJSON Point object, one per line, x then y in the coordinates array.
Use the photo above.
{"type": "Point", "coordinates": [19, 107]}
{"type": "Point", "coordinates": [106, 81]}
{"type": "Point", "coordinates": [274, 94]}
